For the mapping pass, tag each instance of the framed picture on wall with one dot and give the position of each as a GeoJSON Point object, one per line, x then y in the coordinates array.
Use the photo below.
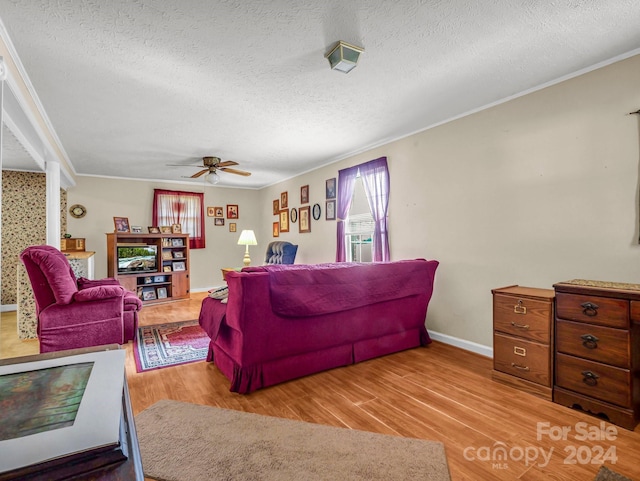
{"type": "Point", "coordinates": [276, 229]}
{"type": "Point", "coordinates": [304, 194]}
{"type": "Point", "coordinates": [284, 200]}
{"type": "Point", "coordinates": [284, 220]}
{"type": "Point", "coordinates": [211, 211]}
{"type": "Point", "coordinates": [218, 221]}
{"type": "Point", "coordinates": [305, 220]}
{"type": "Point", "coordinates": [232, 211]}
{"type": "Point", "coordinates": [330, 210]}
{"type": "Point", "coordinates": [331, 188]}
{"type": "Point", "coordinates": [276, 207]}
{"type": "Point", "coordinates": [232, 226]}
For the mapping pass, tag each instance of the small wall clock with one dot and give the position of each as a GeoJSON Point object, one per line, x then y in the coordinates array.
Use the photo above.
{"type": "Point", "coordinates": [78, 211]}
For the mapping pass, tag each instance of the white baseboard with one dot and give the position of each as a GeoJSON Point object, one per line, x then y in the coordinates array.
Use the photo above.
{"type": "Point", "coordinates": [8, 307]}
{"type": "Point", "coordinates": [462, 344]}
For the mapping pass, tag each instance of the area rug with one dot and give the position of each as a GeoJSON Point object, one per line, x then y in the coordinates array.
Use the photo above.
{"type": "Point", "coordinates": [605, 474]}
{"type": "Point", "coordinates": [170, 344]}
{"type": "Point", "coordinates": [188, 442]}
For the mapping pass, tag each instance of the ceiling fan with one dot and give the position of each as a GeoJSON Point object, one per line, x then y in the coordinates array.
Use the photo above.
{"type": "Point", "coordinates": [212, 165]}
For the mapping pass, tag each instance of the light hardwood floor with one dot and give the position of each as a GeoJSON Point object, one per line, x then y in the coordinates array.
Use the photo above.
{"type": "Point", "coordinates": [438, 393]}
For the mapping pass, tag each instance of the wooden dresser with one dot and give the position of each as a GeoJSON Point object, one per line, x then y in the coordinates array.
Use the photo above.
{"type": "Point", "coordinates": [523, 338]}
{"type": "Point", "coordinates": [598, 349]}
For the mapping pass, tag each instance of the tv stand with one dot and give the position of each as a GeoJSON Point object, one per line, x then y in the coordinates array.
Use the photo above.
{"type": "Point", "coordinates": [170, 280]}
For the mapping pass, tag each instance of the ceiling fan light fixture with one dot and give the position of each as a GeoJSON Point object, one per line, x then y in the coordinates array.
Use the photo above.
{"type": "Point", "coordinates": [212, 177]}
{"type": "Point", "coordinates": [343, 57]}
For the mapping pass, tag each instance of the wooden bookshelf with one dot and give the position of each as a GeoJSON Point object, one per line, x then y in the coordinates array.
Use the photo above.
{"type": "Point", "coordinates": [170, 279]}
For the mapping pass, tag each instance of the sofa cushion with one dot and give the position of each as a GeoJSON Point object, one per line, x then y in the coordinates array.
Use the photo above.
{"type": "Point", "coordinates": [310, 290]}
{"type": "Point", "coordinates": [52, 263]}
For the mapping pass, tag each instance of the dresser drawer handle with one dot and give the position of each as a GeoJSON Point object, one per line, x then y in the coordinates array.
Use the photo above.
{"type": "Point", "coordinates": [590, 378]}
{"type": "Point", "coordinates": [589, 341]}
{"type": "Point", "coordinates": [519, 308]}
{"type": "Point", "coordinates": [520, 326]}
{"type": "Point", "coordinates": [517, 366]}
{"type": "Point", "coordinates": [589, 309]}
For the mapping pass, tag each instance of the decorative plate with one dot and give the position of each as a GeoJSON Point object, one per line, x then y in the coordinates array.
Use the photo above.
{"type": "Point", "coordinates": [294, 215]}
{"type": "Point", "coordinates": [78, 211]}
{"type": "Point", "coordinates": [316, 211]}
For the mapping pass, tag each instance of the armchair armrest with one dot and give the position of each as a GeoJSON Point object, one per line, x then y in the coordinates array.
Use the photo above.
{"type": "Point", "coordinates": [84, 283]}
{"type": "Point", "coordinates": [98, 293]}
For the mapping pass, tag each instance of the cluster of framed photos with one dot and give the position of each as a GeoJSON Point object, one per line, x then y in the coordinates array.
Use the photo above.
{"type": "Point", "coordinates": [148, 290]}
{"type": "Point", "coordinates": [303, 215]}
{"type": "Point", "coordinates": [122, 225]}
{"type": "Point", "coordinates": [218, 214]}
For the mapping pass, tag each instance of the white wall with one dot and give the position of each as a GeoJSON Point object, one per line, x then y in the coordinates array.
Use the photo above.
{"type": "Point", "coordinates": [537, 190]}
{"type": "Point", "coordinates": [541, 189]}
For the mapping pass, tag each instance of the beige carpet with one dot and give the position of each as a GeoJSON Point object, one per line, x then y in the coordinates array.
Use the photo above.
{"type": "Point", "coordinates": [188, 442]}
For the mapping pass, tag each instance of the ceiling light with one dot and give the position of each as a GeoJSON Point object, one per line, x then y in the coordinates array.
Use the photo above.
{"type": "Point", "coordinates": [212, 177]}
{"type": "Point", "coordinates": [344, 57]}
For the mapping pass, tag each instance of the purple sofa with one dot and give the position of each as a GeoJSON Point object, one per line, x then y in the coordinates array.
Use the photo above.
{"type": "Point", "coordinates": [74, 313]}
{"type": "Point", "coordinates": [281, 322]}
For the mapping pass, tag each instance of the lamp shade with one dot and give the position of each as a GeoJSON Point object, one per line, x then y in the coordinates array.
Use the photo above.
{"type": "Point", "coordinates": [344, 57]}
{"type": "Point", "coordinates": [247, 238]}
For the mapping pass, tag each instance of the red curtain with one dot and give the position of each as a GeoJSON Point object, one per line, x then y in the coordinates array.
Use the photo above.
{"type": "Point", "coordinates": [184, 208]}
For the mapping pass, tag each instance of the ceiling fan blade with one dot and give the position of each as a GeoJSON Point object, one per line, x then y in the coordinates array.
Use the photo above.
{"type": "Point", "coordinates": [226, 163]}
{"type": "Point", "coordinates": [198, 174]}
{"type": "Point", "coordinates": [235, 171]}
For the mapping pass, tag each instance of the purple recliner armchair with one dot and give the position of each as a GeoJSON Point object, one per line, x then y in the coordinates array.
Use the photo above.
{"type": "Point", "coordinates": [74, 313]}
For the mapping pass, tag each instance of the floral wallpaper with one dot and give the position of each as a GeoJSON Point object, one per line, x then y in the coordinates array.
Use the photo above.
{"type": "Point", "coordinates": [24, 223]}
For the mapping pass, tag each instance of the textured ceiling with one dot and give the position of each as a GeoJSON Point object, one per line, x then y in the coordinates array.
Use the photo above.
{"type": "Point", "coordinates": [133, 85]}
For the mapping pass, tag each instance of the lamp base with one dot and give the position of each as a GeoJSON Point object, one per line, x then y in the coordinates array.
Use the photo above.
{"type": "Point", "coordinates": [246, 260]}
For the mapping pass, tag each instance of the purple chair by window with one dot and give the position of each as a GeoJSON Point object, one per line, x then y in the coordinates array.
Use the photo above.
{"type": "Point", "coordinates": [74, 313]}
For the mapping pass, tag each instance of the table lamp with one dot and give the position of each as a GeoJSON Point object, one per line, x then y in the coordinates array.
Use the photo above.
{"type": "Point", "coordinates": [247, 238]}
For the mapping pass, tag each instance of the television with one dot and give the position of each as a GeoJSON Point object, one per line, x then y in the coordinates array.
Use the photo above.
{"type": "Point", "coordinates": [134, 258]}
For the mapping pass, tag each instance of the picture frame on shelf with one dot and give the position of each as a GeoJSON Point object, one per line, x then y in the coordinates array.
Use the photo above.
{"type": "Point", "coordinates": [165, 229]}
{"type": "Point", "coordinates": [218, 221]}
{"type": "Point", "coordinates": [284, 220]}
{"type": "Point", "coordinates": [293, 215]}
{"type": "Point", "coordinates": [178, 255]}
{"type": "Point", "coordinates": [304, 194]}
{"type": "Point", "coordinates": [176, 228]}
{"type": "Point", "coordinates": [159, 279]}
{"type": "Point", "coordinates": [121, 224]}
{"type": "Point", "coordinates": [233, 227]}
{"type": "Point", "coordinates": [276, 229]}
{"type": "Point", "coordinates": [330, 210]}
{"type": "Point", "coordinates": [232, 211]}
{"type": "Point", "coordinates": [330, 188]}
{"type": "Point", "coordinates": [166, 269]}
{"type": "Point", "coordinates": [153, 229]}
{"type": "Point", "coordinates": [162, 292]}
{"type": "Point", "coordinates": [179, 266]}
{"type": "Point", "coordinates": [136, 229]}
{"type": "Point", "coordinates": [149, 295]}
{"type": "Point", "coordinates": [147, 280]}
{"type": "Point", "coordinates": [276, 206]}
{"type": "Point", "coordinates": [304, 225]}
{"type": "Point", "coordinates": [284, 200]}
{"type": "Point", "coordinates": [166, 255]}
{"type": "Point", "coordinates": [177, 242]}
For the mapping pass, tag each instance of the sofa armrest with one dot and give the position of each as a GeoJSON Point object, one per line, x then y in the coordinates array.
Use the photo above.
{"type": "Point", "coordinates": [98, 293]}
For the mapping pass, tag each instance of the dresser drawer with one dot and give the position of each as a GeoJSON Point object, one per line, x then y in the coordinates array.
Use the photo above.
{"type": "Point", "coordinates": [599, 381]}
{"type": "Point", "coordinates": [525, 359]}
{"type": "Point", "coordinates": [528, 318]}
{"type": "Point", "coordinates": [603, 344]}
{"type": "Point", "coordinates": [603, 311]}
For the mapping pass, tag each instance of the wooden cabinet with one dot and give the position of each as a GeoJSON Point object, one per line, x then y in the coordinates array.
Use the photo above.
{"type": "Point", "coordinates": [523, 338]}
{"type": "Point", "coordinates": [161, 279]}
{"type": "Point", "coordinates": [598, 349]}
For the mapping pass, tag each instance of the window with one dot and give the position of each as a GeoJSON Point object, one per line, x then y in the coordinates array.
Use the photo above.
{"type": "Point", "coordinates": [184, 208]}
{"type": "Point", "coordinates": [359, 235]}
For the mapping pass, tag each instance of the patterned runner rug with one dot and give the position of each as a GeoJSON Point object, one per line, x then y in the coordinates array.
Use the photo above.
{"type": "Point", "coordinates": [171, 344]}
